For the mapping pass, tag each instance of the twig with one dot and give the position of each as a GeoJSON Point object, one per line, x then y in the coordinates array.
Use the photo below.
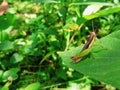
{"type": "Point", "coordinates": [72, 38]}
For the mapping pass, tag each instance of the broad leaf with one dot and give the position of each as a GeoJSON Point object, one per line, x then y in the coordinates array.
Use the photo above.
{"type": "Point", "coordinates": [6, 45]}
{"type": "Point", "coordinates": [3, 36]}
{"type": "Point", "coordinates": [10, 73]}
{"type": "Point", "coordinates": [100, 13]}
{"type": "Point", "coordinates": [16, 58]}
{"type": "Point", "coordinates": [4, 88]}
{"type": "Point", "coordinates": [102, 64]}
{"type": "Point", "coordinates": [103, 12]}
{"type": "Point", "coordinates": [33, 86]}
{"type": "Point", "coordinates": [90, 9]}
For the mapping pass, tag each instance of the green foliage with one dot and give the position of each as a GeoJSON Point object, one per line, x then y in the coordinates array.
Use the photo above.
{"type": "Point", "coordinates": [7, 20]}
{"type": "Point", "coordinates": [4, 36]}
{"type": "Point", "coordinates": [16, 58]}
{"type": "Point", "coordinates": [6, 45]}
{"type": "Point", "coordinates": [33, 86]}
{"type": "Point", "coordinates": [11, 72]}
{"type": "Point", "coordinates": [32, 32]}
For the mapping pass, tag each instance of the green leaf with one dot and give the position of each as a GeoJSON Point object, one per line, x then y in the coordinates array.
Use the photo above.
{"type": "Point", "coordinates": [60, 72]}
{"type": "Point", "coordinates": [33, 86]}
{"type": "Point", "coordinates": [100, 13]}
{"type": "Point", "coordinates": [90, 9]}
{"type": "Point", "coordinates": [16, 58]}
{"type": "Point", "coordinates": [46, 56]}
{"type": "Point", "coordinates": [1, 72]}
{"type": "Point", "coordinates": [7, 20]}
{"type": "Point", "coordinates": [48, 1]}
{"type": "Point", "coordinates": [10, 73]}
{"type": "Point", "coordinates": [92, 2]}
{"type": "Point", "coordinates": [4, 88]}
{"type": "Point", "coordinates": [6, 45]}
{"type": "Point", "coordinates": [102, 64]}
{"type": "Point", "coordinates": [3, 36]}
{"type": "Point", "coordinates": [103, 12]}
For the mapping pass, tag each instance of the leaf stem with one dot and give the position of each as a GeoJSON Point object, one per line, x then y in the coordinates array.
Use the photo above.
{"type": "Point", "coordinates": [72, 38]}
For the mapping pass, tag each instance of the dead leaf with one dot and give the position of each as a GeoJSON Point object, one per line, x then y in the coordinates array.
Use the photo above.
{"type": "Point", "coordinates": [3, 7]}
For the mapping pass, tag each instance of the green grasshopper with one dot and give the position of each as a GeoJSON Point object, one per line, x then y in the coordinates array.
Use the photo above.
{"type": "Point", "coordinates": [86, 49]}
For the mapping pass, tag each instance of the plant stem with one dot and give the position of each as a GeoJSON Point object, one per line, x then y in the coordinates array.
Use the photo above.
{"type": "Point", "coordinates": [72, 38]}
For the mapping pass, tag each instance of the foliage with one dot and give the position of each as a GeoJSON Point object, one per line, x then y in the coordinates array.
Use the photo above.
{"type": "Point", "coordinates": [38, 37]}
{"type": "Point", "coordinates": [103, 62]}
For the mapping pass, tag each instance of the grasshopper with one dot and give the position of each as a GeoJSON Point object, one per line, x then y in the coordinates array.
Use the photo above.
{"type": "Point", "coordinates": [86, 49]}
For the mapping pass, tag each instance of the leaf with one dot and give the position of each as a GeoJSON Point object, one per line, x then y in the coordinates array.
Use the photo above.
{"type": "Point", "coordinates": [102, 64]}
{"type": "Point", "coordinates": [3, 36]}
{"type": "Point", "coordinates": [3, 7]}
{"type": "Point", "coordinates": [46, 56]}
{"type": "Point", "coordinates": [16, 58]}
{"type": "Point", "coordinates": [90, 9]}
{"type": "Point", "coordinates": [61, 73]}
{"type": "Point", "coordinates": [10, 73]}
{"type": "Point", "coordinates": [100, 13]}
{"type": "Point", "coordinates": [4, 88]}
{"type": "Point", "coordinates": [103, 12]}
{"type": "Point", "coordinates": [8, 20]}
{"type": "Point", "coordinates": [1, 72]}
{"type": "Point", "coordinates": [88, 3]}
{"type": "Point", "coordinates": [33, 86]}
{"type": "Point", "coordinates": [46, 1]}
{"type": "Point", "coordinates": [6, 45]}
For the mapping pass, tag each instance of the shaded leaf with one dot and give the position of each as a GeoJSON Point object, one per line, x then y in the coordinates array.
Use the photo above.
{"type": "Point", "coordinates": [7, 20]}
{"type": "Point", "coordinates": [46, 56]}
{"type": "Point", "coordinates": [16, 58]}
{"type": "Point", "coordinates": [3, 36]}
{"type": "Point", "coordinates": [61, 73]}
{"type": "Point", "coordinates": [6, 45]}
{"type": "Point", "coordinates": [1, 72]}
{"type": "Point", "coordinates": [103, 62]}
